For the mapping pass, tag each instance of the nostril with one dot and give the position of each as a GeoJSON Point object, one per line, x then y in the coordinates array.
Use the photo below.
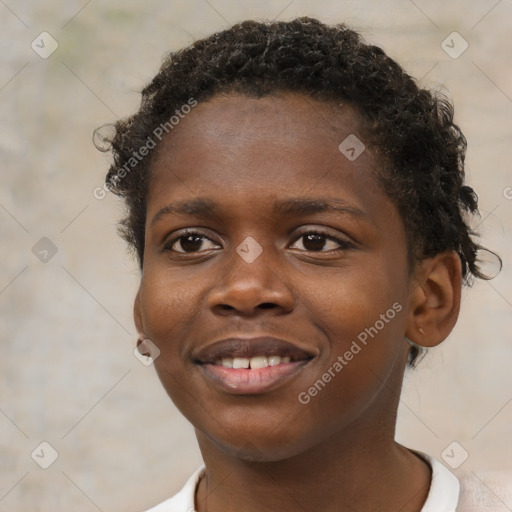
{"type": "Point", "coordinates": [267, 305]}
{"type": "Point", "coordinates": [226, 308]}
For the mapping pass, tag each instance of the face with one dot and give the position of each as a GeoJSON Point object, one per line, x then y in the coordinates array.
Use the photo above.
{"type": "Point", "coordinates": [268, 246]}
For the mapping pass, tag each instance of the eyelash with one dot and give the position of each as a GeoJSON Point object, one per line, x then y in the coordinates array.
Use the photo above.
{"type": "Point", "coordinates": [344, 245]}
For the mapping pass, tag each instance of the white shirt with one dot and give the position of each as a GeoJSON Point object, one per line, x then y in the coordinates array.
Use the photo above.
{"type": "Point", "coordinates": [442, 497]}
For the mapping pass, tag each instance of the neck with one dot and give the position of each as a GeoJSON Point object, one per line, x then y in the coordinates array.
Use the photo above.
{"type": "Point", "coordinates": [342, 474]}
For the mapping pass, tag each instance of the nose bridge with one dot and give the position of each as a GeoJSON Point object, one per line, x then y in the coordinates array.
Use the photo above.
{"type": "Point", "coordinates": [250, 279]}
{"type": "Point", "coordinates": [250, 264]}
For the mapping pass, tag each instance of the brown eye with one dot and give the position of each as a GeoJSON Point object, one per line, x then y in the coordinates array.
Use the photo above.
{"type": "Point", "coordinates": [313, 242]}
{"type": "Point", "coordinates": [320, 242]}
{"type": "Point", "coordinates": [189, 243]}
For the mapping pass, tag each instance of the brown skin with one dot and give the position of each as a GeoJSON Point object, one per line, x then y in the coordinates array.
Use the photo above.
{"type": "Point", "coordinates": [337, 453]}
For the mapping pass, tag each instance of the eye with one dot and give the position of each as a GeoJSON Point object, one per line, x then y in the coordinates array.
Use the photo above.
{"type": "Point", "coordinates": [316, 241]}
{"type": "Point", "coordinates": [190, 242]}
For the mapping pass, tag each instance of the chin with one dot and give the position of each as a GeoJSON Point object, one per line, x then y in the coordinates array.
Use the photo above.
{"type": "Point", "coordinates": [265, 448]}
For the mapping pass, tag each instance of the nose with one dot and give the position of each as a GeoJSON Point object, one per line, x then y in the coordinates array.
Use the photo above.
{"type": "Point", "coordinates": [248, 288]}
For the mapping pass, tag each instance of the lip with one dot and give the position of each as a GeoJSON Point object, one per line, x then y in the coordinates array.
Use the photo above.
{"type": "Point", "coordinates": [250, 347]}
{"type": "Point", "coordinates": [241, 381]}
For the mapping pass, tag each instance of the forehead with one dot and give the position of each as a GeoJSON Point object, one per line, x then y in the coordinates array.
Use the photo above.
{"type": "Point", "coordinates": [235, 118]}
{"type": "Point", "coordinates": [287, 107]}
{"type": "Point", "coordinates": [286, 139]}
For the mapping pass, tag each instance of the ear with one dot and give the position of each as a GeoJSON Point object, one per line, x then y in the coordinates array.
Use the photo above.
{"type": "Point", "coordinates": [434, 301]}
{"type": "Point", "coordinates": [137, 316]}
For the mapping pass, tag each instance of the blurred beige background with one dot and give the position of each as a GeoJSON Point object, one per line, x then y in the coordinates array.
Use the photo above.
{"type": "Point", "coordinates": [68, 374]}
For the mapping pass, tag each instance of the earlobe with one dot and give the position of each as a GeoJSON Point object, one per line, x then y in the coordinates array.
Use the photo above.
{"type": "Point", "coordinates": [435, 299]}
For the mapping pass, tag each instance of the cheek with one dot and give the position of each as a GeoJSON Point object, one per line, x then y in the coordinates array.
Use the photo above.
{"type": "Point", "coordinates": [362, 315]}
{"type": "Point", "coordinates": [360, 301]}
{"type": "Point", "coordinates": [168, 308]}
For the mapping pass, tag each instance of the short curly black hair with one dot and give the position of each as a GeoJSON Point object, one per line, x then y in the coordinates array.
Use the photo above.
{"type": "Point", "coordinates": [410, 129]}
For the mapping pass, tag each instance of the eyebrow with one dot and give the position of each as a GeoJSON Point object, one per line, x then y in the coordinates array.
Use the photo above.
{"type": "Point", "coordinates": [206, 208]}
{"type": "Point", "coordinates": [305, 206]}
{"type": "Point", "coordinates": [200, 207]}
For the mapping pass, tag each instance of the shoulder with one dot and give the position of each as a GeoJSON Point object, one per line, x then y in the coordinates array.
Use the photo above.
{"type": "Point", "coordinates": [478, 491]}
{"type": "Point", "coordinates": [485, 491]}
{"type": "Point", "coordinates": [467, 491]}
{"type": "Point", "coordinates": [183, 501]}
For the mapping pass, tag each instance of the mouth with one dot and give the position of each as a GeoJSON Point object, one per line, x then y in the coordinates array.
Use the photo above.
{"type": "Point", "coordinates": [251, 366]}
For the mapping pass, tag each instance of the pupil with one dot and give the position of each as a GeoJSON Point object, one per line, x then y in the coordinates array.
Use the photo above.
{"type": "Point", "coordinates": [314, 242]}
{"type": "Point", "coordinates": [191, 243]}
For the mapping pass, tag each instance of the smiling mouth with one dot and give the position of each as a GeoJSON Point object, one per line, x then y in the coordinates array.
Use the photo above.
{"type": "Point", "coordinates": [254, 363]}
{"type": "Point", "coordinates": [251, 366]}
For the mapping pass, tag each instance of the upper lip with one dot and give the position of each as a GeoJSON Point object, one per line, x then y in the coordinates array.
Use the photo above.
{"type": "Point", "coordinates": [250, 347]}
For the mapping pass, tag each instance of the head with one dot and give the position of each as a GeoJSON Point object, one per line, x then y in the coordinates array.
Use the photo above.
{"type": "Point", "coordinates": [343, 182]}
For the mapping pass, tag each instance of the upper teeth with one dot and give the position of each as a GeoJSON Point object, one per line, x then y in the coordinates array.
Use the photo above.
{"type": "Point", "coordinates": [253, 362]}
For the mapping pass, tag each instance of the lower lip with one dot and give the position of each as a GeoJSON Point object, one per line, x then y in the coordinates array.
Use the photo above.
{"type": "Point", "coordinates": [251, 382]}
